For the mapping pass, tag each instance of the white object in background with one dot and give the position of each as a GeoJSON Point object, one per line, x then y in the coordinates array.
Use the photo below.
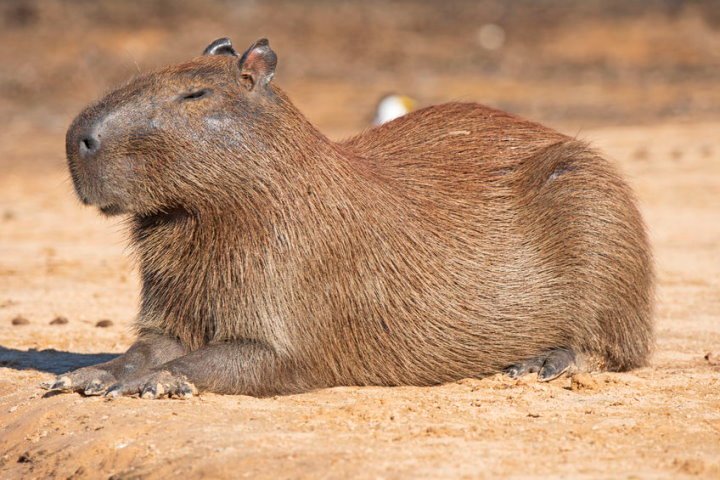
{"type": "Point", "coordinates": [491, 36]}
{"type": "Point", "coordinates": [391, 107]}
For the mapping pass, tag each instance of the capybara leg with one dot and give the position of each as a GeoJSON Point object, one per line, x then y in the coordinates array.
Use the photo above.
{"type": "Point", "coordinates": [548, 366]}
{"type": "Point", "coordinates": [148, 352]}
{"type": "Point", "coordinates": [247, 368]}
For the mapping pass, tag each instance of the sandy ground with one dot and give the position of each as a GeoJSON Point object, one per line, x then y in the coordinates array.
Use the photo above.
{"type": "Point", "coordinates": [59, 259]}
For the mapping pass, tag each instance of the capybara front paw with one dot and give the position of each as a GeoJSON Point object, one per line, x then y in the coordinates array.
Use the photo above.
{"type": "Point", "coordinates": [158, 384]}
{"type": "Point", "coordinates": [548, 367]}
{"type": "Point", "coordinates": [88, 381]}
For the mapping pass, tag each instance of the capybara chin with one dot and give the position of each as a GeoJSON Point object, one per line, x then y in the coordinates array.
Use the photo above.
{"type": "Point", "coordinates": [456, 241]}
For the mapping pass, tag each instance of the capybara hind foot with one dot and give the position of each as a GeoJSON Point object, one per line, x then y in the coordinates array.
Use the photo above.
{"type": "Point", "coordinates": [88, 381]}
{"type": "Point", "coordinates": [157, 384]}
{"type": "Point", "coordinates": [548, 367]}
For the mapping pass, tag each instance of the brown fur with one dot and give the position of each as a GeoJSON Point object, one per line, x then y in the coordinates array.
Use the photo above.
{"type": "Point", "coordinates": [452, 242]}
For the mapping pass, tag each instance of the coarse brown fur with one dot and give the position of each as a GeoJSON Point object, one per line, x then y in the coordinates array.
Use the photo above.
{"type": "Point", "coordinates": [453, 242]}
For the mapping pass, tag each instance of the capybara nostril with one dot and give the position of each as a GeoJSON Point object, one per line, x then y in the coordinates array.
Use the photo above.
{"type": "Point", "coordinates": [89, 145]}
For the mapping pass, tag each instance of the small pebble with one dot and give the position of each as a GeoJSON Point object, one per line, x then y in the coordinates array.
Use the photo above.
{"type": "Point", "coordinates": [20, 320]}
{"type": "Point", "coordinates": [59, 321]}
{"type": "Point", "coordinates": [25, 458]}
{"type": "Point", "coordinates": [104, 323]}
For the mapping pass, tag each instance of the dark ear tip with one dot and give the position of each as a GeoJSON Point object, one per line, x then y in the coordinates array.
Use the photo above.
{"type": "Point", "coordinates": [221, 46]}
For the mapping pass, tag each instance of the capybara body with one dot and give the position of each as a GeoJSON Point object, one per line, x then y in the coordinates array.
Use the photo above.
{"type": "Point", "coordinates": [456, 241]}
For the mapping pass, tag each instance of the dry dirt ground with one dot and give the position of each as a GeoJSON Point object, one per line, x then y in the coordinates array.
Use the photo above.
{"type": "Point", "coordinates": [657, 69]}
{"type": "Point", "coordinates": [59, 259]}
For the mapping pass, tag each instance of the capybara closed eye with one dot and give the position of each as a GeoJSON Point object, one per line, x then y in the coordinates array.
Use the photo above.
{"type": "Point", "coordinates": [455, 241]}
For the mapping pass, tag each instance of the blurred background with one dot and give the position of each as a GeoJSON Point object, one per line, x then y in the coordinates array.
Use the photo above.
{"type": "Point", "coordinates": [570, 64]}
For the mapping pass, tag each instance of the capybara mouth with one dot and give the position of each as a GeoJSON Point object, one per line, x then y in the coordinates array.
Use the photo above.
{"type": "Point", "coordinates": [163, 217]}
{"type": "Point", "coordinates": [111, 210]}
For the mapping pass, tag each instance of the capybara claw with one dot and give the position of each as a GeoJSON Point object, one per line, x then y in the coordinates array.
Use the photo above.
{"type": "Point", "coordinates": [548, 367]}
{"type": "Point", "coordinates": [87, 381]}
{"type": "Point", "coordinates": [532, 365]}
{"type": "Point", "coordinates": [63, 383]}
{"type": "Point", "coordinates": [186, 390]}
{"type": "Point", "coordinates": [148, 395]}
{"type": "Point", "coordinates": [161, 384]}
{"type": "Point", "coordinates": [151, 391]}
{"type": "Point", "coordinates": [557, 362]}
{"type": "Point", "coordinates": [96, 387]}
{"type": "Point", "coordinates": [550, 373]}
{"type": "Point", "coordinates": [114, 391]}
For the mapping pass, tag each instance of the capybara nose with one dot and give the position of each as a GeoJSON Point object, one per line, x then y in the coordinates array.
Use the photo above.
{"type": "Point", "coordinates": [89, 145]}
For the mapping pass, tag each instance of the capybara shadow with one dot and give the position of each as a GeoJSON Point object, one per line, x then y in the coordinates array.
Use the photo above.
{"type": "Point", "coordinates": [455, 241]}
{"type": "Point", "coordinates": [50, 360]}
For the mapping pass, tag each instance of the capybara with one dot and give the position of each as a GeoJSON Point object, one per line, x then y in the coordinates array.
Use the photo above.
{"type": "Point", "coordinates": [457, 241]}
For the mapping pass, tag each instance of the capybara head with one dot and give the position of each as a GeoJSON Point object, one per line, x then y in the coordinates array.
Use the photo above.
{"type": "Point", "coordinates": [142, 148]}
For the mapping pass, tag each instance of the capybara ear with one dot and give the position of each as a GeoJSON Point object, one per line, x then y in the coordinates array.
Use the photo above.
{"type": "Point", "coordinates": [257, 64]}
{"type": "Point", "coordinates": [221, 46]}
